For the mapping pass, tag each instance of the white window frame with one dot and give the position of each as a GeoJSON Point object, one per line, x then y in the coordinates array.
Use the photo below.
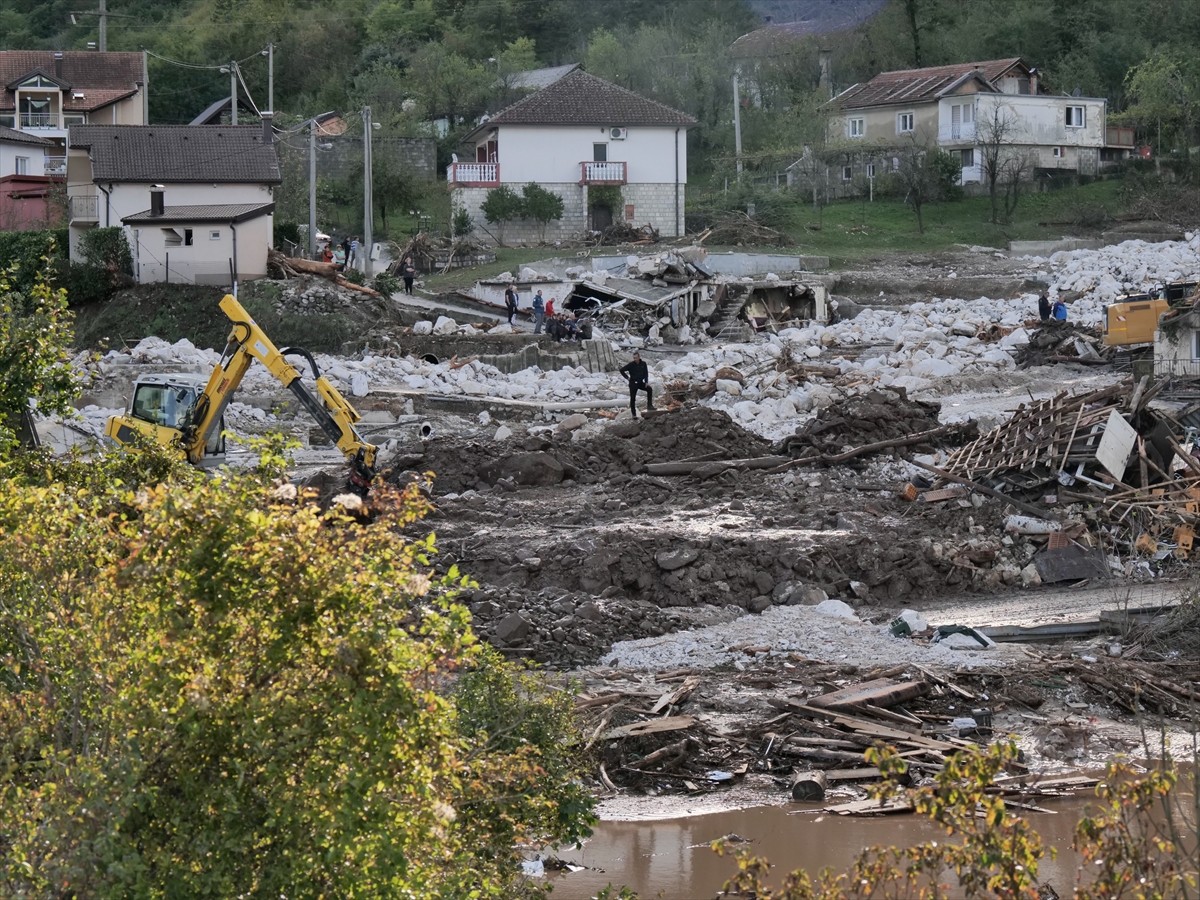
{"type": "Point", "coordinates": [847, 173]}
{"type": "Point", "coordinates": [856, 127]}
{"type": "Point", "coordinates": [214, 235]}
{"type": "Point", "coordinates": [871, 170]}
{"type": "Point", "coordinates": [906, 122]}
{"type": "Point", "coordinates": [1057, 152]}
{"type": "Point", "coordinates": [22, 165]}
{"type": "Point", "coordinates": [1080, 117]}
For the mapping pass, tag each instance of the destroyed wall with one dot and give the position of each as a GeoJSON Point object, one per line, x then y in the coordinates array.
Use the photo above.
{"type": "Point", "coordinates": [1176, 345]}
{"type": "Point", "coordinates": [653, 204]}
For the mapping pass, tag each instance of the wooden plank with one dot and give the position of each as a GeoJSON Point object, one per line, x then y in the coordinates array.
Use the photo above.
{"type": "Point", "coordinates": [880, 692]}
{"type": "Point", "coordinates": [670, 698]}
{"type": "Point", "coordinates": [653, 726]}
{"type": "Point", "coordinates": [869, 808]}
{"type": "Point", "coordinates": [874, 729]}
{"type": "Point", "coordinates": [853, 774]}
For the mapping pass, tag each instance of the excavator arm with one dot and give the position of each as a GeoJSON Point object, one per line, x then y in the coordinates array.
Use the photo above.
{"type": "Point", "coordinates": [248, 342]}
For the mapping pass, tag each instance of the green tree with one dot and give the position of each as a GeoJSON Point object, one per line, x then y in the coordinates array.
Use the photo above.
{"type": "Point", "coordinates": [210, 689]}
{"type": "Point", "coordinates": [1163, 95]}
{"type": "Point", "coordinates": [502, 205]}
{"type": "Point", "coordinates": [35, 359]}
{"type": "Point", "coordinates": [542, 206]}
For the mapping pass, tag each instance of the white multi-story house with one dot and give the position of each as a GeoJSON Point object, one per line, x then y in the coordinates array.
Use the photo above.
{"type": "Point", "coordinates": [967, 107]}
{"type": "Point", "coordinates": [578, 133]}
{"type": "Point", "coordinates": [196, 201]}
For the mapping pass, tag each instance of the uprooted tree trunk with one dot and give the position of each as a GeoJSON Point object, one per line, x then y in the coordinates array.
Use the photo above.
{"type": "Point", "coordinates": [291, 266]}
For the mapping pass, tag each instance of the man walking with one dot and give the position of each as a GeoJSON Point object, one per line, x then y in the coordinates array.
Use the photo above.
{"type": "Point", "coordinates": [638, 376]}
{"type": "Point", "coordinates": [539, 312]}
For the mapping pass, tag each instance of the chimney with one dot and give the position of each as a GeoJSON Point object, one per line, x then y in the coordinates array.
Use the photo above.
{"type": "Point", "coordinates": [58, 58]}
{"type": "Point", "coordinates": [268, 128]}
{"type": "Point", "coordinates": [825, 81]}
{"type": "Point", "coordinates": [1033, 81]}
{"type": "Point", "coordinates": [156, 202]}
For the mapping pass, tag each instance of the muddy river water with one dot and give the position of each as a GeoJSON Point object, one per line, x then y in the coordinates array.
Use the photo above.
{"type": "Point", "coordinates": [671, 859]}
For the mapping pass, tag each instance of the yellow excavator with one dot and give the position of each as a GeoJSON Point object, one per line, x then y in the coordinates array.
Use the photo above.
{"type": "Point", "coordinates": [185, 413]}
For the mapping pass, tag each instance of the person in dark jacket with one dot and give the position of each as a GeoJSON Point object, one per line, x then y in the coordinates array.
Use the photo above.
{"type": "Point", "coordinates": [408, 272]}
{"type": "Point", "coordinates": [1044, 307]}
{"type": "Point", "coordinates": [638, 376]}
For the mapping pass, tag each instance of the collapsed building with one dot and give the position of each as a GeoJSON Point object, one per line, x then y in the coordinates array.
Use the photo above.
{"type": "Point", "coordinates": [680, 295]}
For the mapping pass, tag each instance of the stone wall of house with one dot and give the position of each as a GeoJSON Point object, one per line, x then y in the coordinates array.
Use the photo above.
{"type": "Point", "coordinates": [652, 204]}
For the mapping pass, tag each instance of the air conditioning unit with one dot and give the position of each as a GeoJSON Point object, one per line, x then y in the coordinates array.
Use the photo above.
{"type": "Point", "coordinates": [618, 134]}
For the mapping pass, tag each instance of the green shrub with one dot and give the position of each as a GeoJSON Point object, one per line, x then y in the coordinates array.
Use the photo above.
{"type": "Point", "coordinates": [22, 252]}
{"type": "Point", "coordinates": [462, 224]}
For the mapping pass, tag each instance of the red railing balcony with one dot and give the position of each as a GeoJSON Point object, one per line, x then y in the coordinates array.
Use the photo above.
{"type": "Point", "coordinates": [602, 173]}
{"type": "Point", "coordinates": [474, 174]}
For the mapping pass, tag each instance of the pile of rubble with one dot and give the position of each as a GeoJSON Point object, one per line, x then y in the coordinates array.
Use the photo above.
{"type": "Point", "coordinates": [1064, 342]}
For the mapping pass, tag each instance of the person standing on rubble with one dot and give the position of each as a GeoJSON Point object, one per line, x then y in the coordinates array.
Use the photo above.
{"type": "Point", "coordinates": [511, 301]}
{"type": "Point", "coordinates": [1044, 307]}
{"type": "Point", "coordinates": [539, 312]}
{"type": "Point", "coordinates": [638, 376]}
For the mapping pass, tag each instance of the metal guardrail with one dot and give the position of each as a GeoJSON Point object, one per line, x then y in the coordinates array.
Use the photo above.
{"type": "Point", "coordinates": [85, 208]}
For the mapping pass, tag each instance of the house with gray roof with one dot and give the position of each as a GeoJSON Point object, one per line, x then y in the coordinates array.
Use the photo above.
{"type": "Point", "coordinates": [196, 201]}
{"type": "Point", "coordinates": [574, 136]}
{"type": "Point", "coordinates": [997, 106]}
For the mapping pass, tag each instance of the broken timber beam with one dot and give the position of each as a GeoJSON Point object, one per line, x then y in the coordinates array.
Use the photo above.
{"type": "Point", "coordinates": [880, 692]}
{"type": "Point", "coordinates": [984, 489]}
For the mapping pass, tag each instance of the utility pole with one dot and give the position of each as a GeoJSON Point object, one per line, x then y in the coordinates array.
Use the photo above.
{"type": "Point", "coordinates": [368, 199]}
{"type": "Point", "coordinates": [233, 93]}
{"type": "Point", "coordinates": [312, 188]}
{"type": "Point", "coordinates": [103, 25]}
{"type": "Point", "coordinates": [270, 76]}
{"type": "Point", "coordinates": [737, 125]}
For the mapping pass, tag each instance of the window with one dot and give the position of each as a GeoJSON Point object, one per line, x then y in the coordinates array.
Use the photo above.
{"type": "Point", "coordinates": [1058, 152]}
{"type": "Point", "coordinates": [1196, 345]}
{"type": "Point", "coordinates": [214, 235]}
{"type": "Point", "coordinates": [629, 212]}
{"type": "Point", "coordinates": [966, 158]}
{"type": "Point", "coordinates": [70, 119]}
{"type": "Point", "coordinates": [847, 173]}
{"type": "Point", "coordinates": [187, 237]}
{"type": "Point", "coordinates": [904, 123]}
{"type": "Point", "coordinates": [870, 170]}
{"type": "Point", "coordinates": [599, 152]}
{"type": "Point", "coordinates": [856, 128]}
{"type": "Point", "coordinates": [171, 238]}
{"type": "Point", "coordinates": [1076, 117]}
{"type": "Point", "coordinates": [22, 165]}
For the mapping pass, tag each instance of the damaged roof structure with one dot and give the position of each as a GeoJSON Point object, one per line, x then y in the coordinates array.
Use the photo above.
{"type": "Point", "coordinates": [678, 289]}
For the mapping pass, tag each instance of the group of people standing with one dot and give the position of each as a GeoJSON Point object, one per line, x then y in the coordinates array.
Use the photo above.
{"type": "Point", "coordinates": [562, 326]}
{"type": "Point", "coordinates": [343, 254]}
{"type": "Point", "coordinates": [1047, 311]}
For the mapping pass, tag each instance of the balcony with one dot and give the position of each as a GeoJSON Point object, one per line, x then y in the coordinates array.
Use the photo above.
{"type": "Point", "coordinates": [963, 133]}
{"type": "Point", "coordinates": [85, 208]}
{"type": "Point", "coordinates": [39, 121]}
{"type": "Point", "coordinates": [602, 173]}
{"type": "Point", "coordinates": [971, 175]}
{"type": "Point", "coordinates": [1120, 136]}
{"type": "Point", "coordinates": [473, 175]}
{"type": "Point", "coordinates": [56, 165]}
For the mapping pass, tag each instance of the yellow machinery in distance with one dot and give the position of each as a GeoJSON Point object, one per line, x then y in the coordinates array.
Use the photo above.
{"type": "Point", "coordinates": [185, 412]}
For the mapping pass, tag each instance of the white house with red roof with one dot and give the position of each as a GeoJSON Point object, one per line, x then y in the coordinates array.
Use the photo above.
{"type": "Point", "coordinates": [577, 134]}
{"type": "Point", "coordinates": [958, 108]}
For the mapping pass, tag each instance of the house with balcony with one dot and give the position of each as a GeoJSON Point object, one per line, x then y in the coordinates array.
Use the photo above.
{"type": "Point", "coordinates": [27, 194]}
{"type": "Point", "coordinates": [196, 201]}
{"type": "Point", "coordinates": [48, 91]}
{"type": "Point", "coordinates": [965, 108]}
{"type": "Point", "coordinates": [573, 137]}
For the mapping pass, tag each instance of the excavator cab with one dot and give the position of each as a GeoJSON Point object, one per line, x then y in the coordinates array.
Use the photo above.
{"type": "Point", "coordinates": [161, 410]}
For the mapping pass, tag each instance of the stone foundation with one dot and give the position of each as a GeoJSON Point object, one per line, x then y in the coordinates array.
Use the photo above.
{"type": "Point", "coordinates": [653, 204]}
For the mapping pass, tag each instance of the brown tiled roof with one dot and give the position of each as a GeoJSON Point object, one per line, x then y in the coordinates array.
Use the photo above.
{"type": "Point", "coordinates": [812, 17]}
{"type": "Point", "coordinates": [102, 78]}
{"type": "Point", "coordinates": [582, 99]}
{"type": "Point", "coordinates": [13, 136]}
{"type": "Point", "coordinates": [174, 153]}
{"type": "Point", "coordinates": [906, 86]}
{"type": "Point", "coordinates": [218, 212]}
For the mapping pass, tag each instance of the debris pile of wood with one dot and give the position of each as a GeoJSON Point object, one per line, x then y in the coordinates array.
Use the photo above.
{"type": "Point", "coordinates": [739, 229]}
{"type": "Point", "coordinates": [1134, 468]}
{"type": "Point", "coordinates": [1063, 342]}
{"type": "Point", "coordinates": [280, 266]}
{"type": "Point", "coordinates": [430, 253]}
{"type": "Point", "coordinates": [624, 233]}
{"type": "Point", "coordinates": [657, 735]}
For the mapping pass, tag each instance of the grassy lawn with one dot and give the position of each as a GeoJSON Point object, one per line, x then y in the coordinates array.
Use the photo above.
{"type": "Point", "coordinates": [849, 231]}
